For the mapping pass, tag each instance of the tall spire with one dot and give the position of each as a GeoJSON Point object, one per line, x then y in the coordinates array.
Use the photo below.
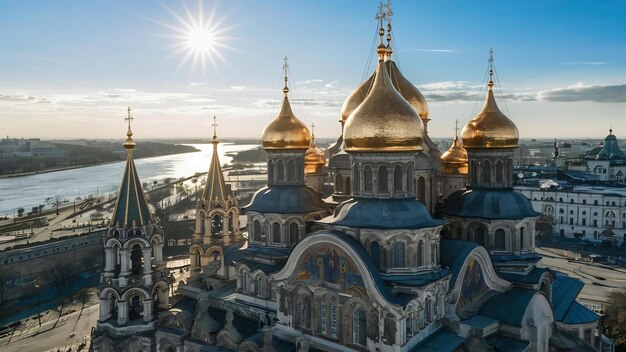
{"type": "Point", "coordinates": [388, 15]}
{"type": "Point", "coordinates": [286, 69]}
{"type": "Point", "coordinates": [215, 188]}
{"type": "Point", "coordinates": [312, 134]}
{"type": "Point", "coordinates": [456, 132]}
{"type": "Point", "coordinates": [131, 208]}
{"type": "Point", "coordinates": [490, 84]}
{"type": "Point", "coordinates": [380, 16]}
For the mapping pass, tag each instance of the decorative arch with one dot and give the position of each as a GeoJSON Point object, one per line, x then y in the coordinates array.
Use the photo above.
{"type": "Point", "coordinates": [136, 291]}
{"type": "Point", "coordinates": [108, 291]}
{"type": "Point", "coordinates": [338, 184]}
{"type": "Point", "coordinates": [137, 240]}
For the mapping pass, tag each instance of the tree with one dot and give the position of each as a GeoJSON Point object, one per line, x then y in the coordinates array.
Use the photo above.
{"type": "Point", "coordinates": [20, 212]}
{"type": "Point", "coordinates": [615, 318]}
{"type": "Point", "coordinates": [544, 225]}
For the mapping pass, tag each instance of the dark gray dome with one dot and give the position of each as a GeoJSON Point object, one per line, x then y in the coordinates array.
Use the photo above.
{"type": "Point", "coordinates": [488, 204]}
{"type": "Point", "coordinates": [286, 200]}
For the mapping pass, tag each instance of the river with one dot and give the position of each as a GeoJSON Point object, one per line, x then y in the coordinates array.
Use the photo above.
{"type": "Point", "coordinates": [32, 190]}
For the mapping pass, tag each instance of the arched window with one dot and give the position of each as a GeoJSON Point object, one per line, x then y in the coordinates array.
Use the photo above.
{"type": "Point", "coordinates": [421, 189]}
{"type": "Point", "coordinates": [244, 282]}
{"type": "Point", "coordinates": [383, 179]}
{"type": "Point", "coordinates": [270, 170]}
{"type": "Point", "coordinates": [474, 170]}
{"type": "Point", "coordinates": [433, 253]}
{"type": "Point", "coordinates": [397, 179]}
{"type": "Point", "coordinates": [584, 201]}
{"type": "Point", "coordinates": [347, 186]}
{"type": "Point", "coordinates": [291, 170]}
{"type": "Point", "coordinates": [375, 253]}
{"type": "Point", "coordinates": [333, 320]}
{"type": "Point", "coordinates": [338, 184]}
{"type": "Point", "coordinates": [499, 173]}
{"type": "Point", "coordinates": [499, 242]}
{"type": "Point", "coordinates": [216, 225]}
{"type": "Point", "coordinates": [420, 253]}
{"type": "Point", "coordinates": [398, 255]}
{"type": "Point", "coordinates": [357, 178]}
{"type": "Point", "coordinates": [479, 235]}
{"type": "Point", "coordinates": [323, 317]}
{"type": "Point", "coordinates": [359, 327]}
{"type": "Point", "coordinates": [305, 312]}
{"type": "Point", "coordinates": [257, 231]}
{"type": "Point", "coordinates": [367, 179]}
{"type": "Point", "coordinates": [136, 259]}
{"type": "Point", "coordinates": [276, 233]}
{"type": "Point", "coordinates": [409, 178]}
{"type": "Point", "coordinates": [293, 233]}
{"type": "Point", "coordinates": [428, 309]}
{"type": "Point", "coordinates": [259, 286]}
{"type": "Point", "coordinates": [509, 170]}
{"type": "Point", "coordinates": [231, 217]}
{"type": "Point", "coordinates": [280, 171]}
{"type": "Point", "coordinates": [486, 172]}
{"type": "Point", "coordinates": [521, 238]}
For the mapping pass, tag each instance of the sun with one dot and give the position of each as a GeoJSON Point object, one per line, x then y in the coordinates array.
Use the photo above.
{"type": "Point", "coordinates": [199, 38]}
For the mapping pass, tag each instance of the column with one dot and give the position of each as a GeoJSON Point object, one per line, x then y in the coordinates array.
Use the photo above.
{"type": "Point", "coordinates": [147, 310]}
{"type": "Point", "coordinates": [122, 312]}
{"type": "Point", "coordinates": [104, 309]}
{"type": "Point", "coordinates": [108, 265]}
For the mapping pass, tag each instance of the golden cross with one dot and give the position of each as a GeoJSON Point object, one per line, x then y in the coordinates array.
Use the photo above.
{"type": "Point", "coordinates": [129, 118]}
{"type": "Point", "coordinates": [456, 128]}
{"type": "Point", "coordinates": [214, 124]}
{"type": "Point", "coordinates": [491, 64]}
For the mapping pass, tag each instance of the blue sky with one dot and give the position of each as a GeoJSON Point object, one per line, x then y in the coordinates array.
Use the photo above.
{"type": "Point", "coordinates": [69, 68]}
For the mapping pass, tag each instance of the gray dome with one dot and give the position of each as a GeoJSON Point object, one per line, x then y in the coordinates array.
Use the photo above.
{"type": "Point", "coordinates": [286, 200]}
{"type": "Point", "coordinates": [488, 204]}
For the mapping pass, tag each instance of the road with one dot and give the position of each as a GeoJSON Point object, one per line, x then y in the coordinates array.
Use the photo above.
{"type": "Point", "coordinates": [599, 280]}
{"type": "Point", "coordinates": [52, 334]}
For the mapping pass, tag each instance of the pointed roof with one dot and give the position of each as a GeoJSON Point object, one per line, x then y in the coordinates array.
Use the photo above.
{"type": "Point", "coordinates": [215, 185]}
{"type": "Point", "coordinates": [131, 207]}
{"type": "Point", "coordinates": [610, 149]}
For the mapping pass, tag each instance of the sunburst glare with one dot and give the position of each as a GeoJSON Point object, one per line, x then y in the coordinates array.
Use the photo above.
{"type": "Point", "coordinates": [200, 37]}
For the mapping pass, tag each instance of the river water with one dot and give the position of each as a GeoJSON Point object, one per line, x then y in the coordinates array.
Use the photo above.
{"type": "Point", "coordinates": [30, 191]}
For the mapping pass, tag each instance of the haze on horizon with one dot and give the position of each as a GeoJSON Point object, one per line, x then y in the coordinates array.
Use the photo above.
{"type": "Point", "coordinates": [69, 69]}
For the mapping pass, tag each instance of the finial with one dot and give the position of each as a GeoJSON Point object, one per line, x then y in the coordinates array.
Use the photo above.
{"type": "Point", "coordinates": [214, 124]}
{"type": "Point", "coordinates": [456, 128]}
{"type": "Point", "coordinates": [388, 15]}
{"type": "Point", "coordinates": [490, 68]}
{"type": "Point", "coordinates": [129, 143]}
{"type": "Point", "coordinates": [312, 130]}
{"type": "Point", "coordinates": [611, 130]}
{"type": "Point", "coordinates": [286, 68]}
{"type": "Point", "coordinates": [380, 16]}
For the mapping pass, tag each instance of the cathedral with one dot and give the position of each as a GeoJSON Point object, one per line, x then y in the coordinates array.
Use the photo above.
{"type": "Point", "coordinates": [412, 250]}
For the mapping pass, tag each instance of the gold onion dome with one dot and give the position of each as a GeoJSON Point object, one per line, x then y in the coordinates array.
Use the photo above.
{"type": "Point", "coordinates": [490, 128]}
{"type": "Point", "coordinates": [314, 159]}
{"type": "Point", "coordinates": [384, 121]}
{"type": "Point", "coordinates": [286, 131]}
{"type": "Point", "coordinates": [455, 159]}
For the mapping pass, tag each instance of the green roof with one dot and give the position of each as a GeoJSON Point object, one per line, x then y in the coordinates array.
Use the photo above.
{"type": "Point", "coordinates": [131, 207]}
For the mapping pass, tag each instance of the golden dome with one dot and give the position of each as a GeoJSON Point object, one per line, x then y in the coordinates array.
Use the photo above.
{"type": "Point", "coordinates": [286, 131]}
{"type": "Point", "coordinates": [408, 90]}
{"type": "Point", "coordinates": [314, 159]}
{"type": "Point", "coordinates": [356, 98]}
{"type": "Point", "coordinates": [490, 128]}
{"type": "Point", "coordinates": [455, 159]}
{"type": "Point", "coordinates": [385, 121]}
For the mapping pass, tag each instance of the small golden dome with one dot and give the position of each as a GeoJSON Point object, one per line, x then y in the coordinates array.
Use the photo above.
{"type": "Point", "coordinates": [314, 158]}
{"type": "Point", "coordinates": [385, 121]}
{"type": "Point", "coordinates": [455, 159]}
{"type": "Point", "coordinates": [490, 128]}
{"type": "Point", "coordinates": [286, 131]}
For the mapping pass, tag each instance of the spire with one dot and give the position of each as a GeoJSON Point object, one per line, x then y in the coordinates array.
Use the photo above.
{"type": "Point", "coordinates": [380, 16]}
{"type": "Point", "coordinates": [215, 188]}
{"type": "Point", "coordinates": [456, 133]}
{"type": "Point", "coordinates": [286, 68]}
{"type": "Point", "coordinates": [388, 15]}
{"type": "Point", "coordinates": [313, 135]}
{"type": "Point", "coordinates": [131, 207]}
{"type": "Point", "coordinates": [490, 84]}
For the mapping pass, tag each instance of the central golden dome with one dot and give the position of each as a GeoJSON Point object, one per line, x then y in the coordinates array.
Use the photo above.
{"type": "Point", "coordinates": [384, 121]}
{"type": "Point", "coordinates": [408, 90]}
{"type": "Point", "coordinates": [455, 159]}
{"type": "Point", "coordinates": [286, 131]}
{"type": "Point", "coordinates": [490, 128]}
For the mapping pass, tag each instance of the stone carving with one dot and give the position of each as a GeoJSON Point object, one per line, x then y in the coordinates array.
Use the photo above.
{"type": "Point", "coordinates": [302, 344]}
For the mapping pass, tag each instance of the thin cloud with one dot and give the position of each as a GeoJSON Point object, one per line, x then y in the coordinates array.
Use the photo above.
{"type": "Point", "coordinates": [237, 87]}
{"type": "Point", "coordinates": [307, 102]}
{"type": "Point", "coordinates": [584, 63]}
{"type": "Point", "coordinates": [447, 51]}
{"type": "Point", "coordinates": [581, 92]}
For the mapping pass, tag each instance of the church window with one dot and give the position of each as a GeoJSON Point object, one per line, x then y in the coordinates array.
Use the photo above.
{"type": "Point", "coordinates": [276, 233]}
{"type": "Point", "coordinates": [521, 238]}
{"type": "Point", "coordinates": [420, 253]}
{"type": "Point", "coordinates": [323, 317]}
{"type": "Point", "coordinates": [333, 320]}
{"type": "Point", "coordinates": [499, 171]}
{"type": "Point", "coordinates": [409, 178]}
{"type": "Point", "coordinates": [428, 312]}
{"type": "Point", "coordinates": [433, 253]}
{"type": "Point", "coordinates": [338, 184]}
{"type": "Point", "coordinates": [409, 325]}
{"type": "Point", "coordinates": [479, 235]}
{"type": "Point", "coordinates": [500, 240]}
{"type": "Point", "coordinates": [270, 170]}
{"type": "Point", "coordinates": [359, 326]}
{"type": "Point", "coordinates": [486, 172]}
{"type": "Point", "coordinates": [421, 189]}
{"type": "Point", "coordinates": [584, 201]}
{"type": "Point", "coordinates": [257, 230]}
{"type": "Point", "coordinates": [474, 170]}
{"type": "Point", "coordinates": [291, 170]}
{"type": "Point", "coordinates": [302, 315]}
{"type": "Point", "coordinates": [595, 202]}
{"type": "Point", "coordinates": [389, 333]}
{"type": "Point", "coordinates": [293, 233]}
{"type": "Point", "coordinates": [259, 286]}
{"type": "Point", "coordinates": [230, 218]}
{"type": "Point", "coordinates": [375, 253]}
{"type": "Point", "coordinates": [216, 225]}
{"type": "Point", "coordinates": [357, 178]}
{"type": "Point", "coordinates": [280, 171]}
{"type": "Point", "coordinates": [398, 254]}
{"type": "Point", "coordinates": [383, 179]}
{"type": "Point", "coordinates": [397, 179]}
{"type": "Point", "coordinates": [347, 187]}
{"type": "Point", "coordinates": [367, 178]}
{"type": "Point", "coordinates": [584, 222]}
